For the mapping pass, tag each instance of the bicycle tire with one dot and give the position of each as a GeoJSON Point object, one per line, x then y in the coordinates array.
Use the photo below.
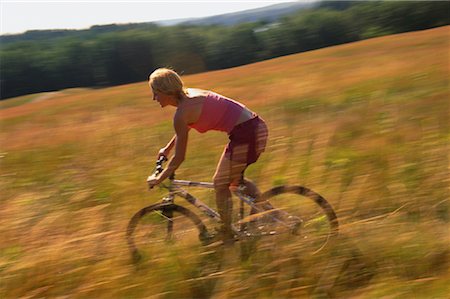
{"type": "Point", "coordinates": [163, 215]}
{"type": "Point", "coordinates": [319, 222]}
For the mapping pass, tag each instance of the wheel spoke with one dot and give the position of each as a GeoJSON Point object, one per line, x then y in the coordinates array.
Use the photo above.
{"type": "Point", "coordinates": [303, 218]}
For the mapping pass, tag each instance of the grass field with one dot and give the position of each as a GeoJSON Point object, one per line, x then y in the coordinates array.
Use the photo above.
{"type": "Point", "coordinates": [364, 124]}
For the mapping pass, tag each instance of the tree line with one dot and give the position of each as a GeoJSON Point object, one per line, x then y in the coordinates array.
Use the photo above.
{"type": "Point", "coordinates": [113, 55]}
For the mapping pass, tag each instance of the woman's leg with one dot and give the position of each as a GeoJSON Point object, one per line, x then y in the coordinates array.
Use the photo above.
{"type": "Point", "coordinates": [244, 148]}
{"type": "Point", "coordinates": [253, 191]}
{"type": "Point", "coordinates": [227, 172]}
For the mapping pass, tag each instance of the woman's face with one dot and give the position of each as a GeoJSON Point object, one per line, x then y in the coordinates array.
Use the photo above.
{"type": "Point", "coordinates": [161, 98]}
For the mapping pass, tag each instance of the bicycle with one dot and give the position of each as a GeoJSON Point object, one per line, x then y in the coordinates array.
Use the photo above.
{"type": "Point", "coordinates": [156, 222]}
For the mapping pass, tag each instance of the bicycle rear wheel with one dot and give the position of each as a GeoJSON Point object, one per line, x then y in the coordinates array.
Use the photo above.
{"type": "Point", "coordinates": [154, 226]}
{"type": "Point", "coordinates": [301, 214]}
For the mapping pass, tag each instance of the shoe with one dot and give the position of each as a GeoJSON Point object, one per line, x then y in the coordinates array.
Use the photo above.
{"type": "Point", "coordinates": [222, 236]}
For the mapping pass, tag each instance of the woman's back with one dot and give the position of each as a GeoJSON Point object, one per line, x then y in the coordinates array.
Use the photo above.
{"type": "Point", "coordinates": [210, 111]}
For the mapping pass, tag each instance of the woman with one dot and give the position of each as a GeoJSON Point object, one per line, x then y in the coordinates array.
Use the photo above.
{"type": "Point", "coordinates": [205, 110]}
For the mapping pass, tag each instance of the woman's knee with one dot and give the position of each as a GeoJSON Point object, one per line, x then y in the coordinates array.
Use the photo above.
{"type": "Point", "coordinates": [221, 183]}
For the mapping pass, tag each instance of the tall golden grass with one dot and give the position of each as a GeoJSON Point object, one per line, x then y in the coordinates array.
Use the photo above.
{"type": "Point", "coordinates": [364, 124]}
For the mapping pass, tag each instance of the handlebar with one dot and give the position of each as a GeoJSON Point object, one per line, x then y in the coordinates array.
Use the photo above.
{"type": "Point", "coordinates": [159, 163]}
{"type": "Point", "coordinates": [159, 167]}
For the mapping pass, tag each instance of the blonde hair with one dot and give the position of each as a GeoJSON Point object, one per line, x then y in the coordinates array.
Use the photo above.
{"type": "Point", "coordinates": [167, 81]}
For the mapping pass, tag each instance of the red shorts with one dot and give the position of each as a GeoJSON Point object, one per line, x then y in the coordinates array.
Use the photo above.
{"type": "Point", "coordinates": [247, 141]}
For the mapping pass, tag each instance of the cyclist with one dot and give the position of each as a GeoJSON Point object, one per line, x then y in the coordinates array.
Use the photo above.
{"type": "Point", "coordinates": [205, 110]}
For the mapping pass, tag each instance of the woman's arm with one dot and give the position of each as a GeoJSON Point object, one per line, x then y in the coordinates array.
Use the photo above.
{"type": "Point", "coordinates": [166, 150]}
{"type": "Point", "coordinates": [180, 139]}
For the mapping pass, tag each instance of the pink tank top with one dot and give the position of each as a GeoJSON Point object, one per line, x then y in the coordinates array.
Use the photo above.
{"type": "Point", "coordinates": [218, 113]}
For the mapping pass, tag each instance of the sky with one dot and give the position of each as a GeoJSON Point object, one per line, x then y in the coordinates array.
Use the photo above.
{"type": "Point", "coordinates": [20, 16]}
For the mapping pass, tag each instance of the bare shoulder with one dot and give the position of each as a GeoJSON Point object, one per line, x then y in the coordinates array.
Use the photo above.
{"type": "Point", "coordinates": [194, 101]}
{"type": "Point", "coordinates": [197, 92]}
{"type": "Point", "coordinates": [181, 117]}
{"type": "Point", "coordinates": [190, 109]}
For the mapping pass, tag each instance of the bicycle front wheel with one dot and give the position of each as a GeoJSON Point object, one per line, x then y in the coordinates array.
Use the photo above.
{"type": "Point", "coordinates": [156, 225]}
{"type": "Point", "coordinates": [303, 214]}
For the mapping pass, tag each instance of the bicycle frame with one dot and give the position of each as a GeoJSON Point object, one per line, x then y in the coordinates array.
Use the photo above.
{"type": "Point", "coordinates": [174, 188]}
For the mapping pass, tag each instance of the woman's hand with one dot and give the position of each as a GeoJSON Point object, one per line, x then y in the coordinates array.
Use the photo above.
{"type": "Point", "coordinates": [152, 181]}
{"type": "Point", "coordinates": [163, 152]}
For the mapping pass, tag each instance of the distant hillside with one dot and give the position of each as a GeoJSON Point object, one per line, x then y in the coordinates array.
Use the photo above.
{"type": "Point", "coordinates": [46, 35]}
{"type": "Point", "coordinates": [269, 14]}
